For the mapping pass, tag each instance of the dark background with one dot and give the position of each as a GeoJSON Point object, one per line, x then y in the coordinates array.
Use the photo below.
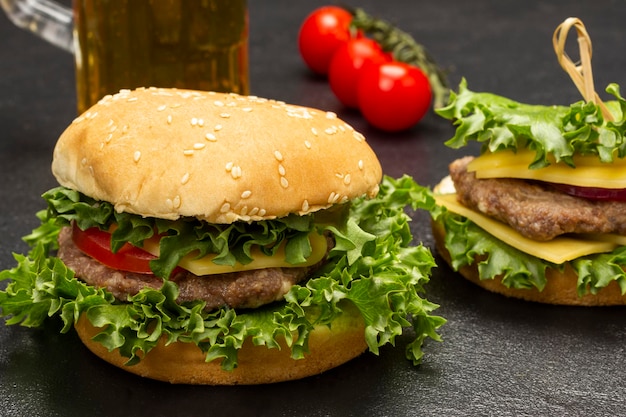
{"type": "Point", "coordinates": [499, 356]}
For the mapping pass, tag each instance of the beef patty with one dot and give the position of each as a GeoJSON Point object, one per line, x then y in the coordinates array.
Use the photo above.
{"type": "Point", "coordinates": [245, 289]}
{"type": "Point", "coordinates": [535, 209]}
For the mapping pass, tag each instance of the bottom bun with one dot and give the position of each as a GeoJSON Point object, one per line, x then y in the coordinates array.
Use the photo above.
{"type": "Point", "coordinates": [560, 285]}
{"type": "Point", "coordinates": [184, 363]}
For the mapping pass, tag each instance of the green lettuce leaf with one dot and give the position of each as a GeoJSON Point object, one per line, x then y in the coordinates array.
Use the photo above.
{"type": "Point", "coordinates": [376, 271]}
{"type": "Point", "coordinates": [466, 242]}
{"type": "Point", "coordinates": [232, 243]}
{"type": "Point", "coordinates": [558, 131]}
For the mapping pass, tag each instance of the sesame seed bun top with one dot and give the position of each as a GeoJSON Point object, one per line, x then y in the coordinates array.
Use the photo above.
{"type": "Point", "coordinates": [219, 157]}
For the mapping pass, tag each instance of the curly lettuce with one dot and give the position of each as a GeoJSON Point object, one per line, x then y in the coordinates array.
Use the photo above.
{"type": "Point", "coordinates": [469, 244]}
{"type": "Point", "coordinates": [374, 268]}
{"type": "Point", "coordinates": [553, 132]}
{"type": "Point", "coordinates": [232, 243]}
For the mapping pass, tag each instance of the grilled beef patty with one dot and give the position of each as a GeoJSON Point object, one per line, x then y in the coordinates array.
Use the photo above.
{"type": "Point", "coordinates": [246, 289]}
{"type": "Point", "coordinates": [535, 209]}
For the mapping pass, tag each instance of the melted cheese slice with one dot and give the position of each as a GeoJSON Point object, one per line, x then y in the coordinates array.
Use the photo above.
{"type": "Point", "coordinates": [589, 171]}
{"type": "Point", "coordinates": [557, 250]}
{"type": "Point", "coordinates": [205, 265]}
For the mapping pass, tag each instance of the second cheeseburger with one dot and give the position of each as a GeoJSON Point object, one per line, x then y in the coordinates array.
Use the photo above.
{"type": "Point", "coordinates": [222, 239]}
{"type": "Point", "coordinates": [540, 214]}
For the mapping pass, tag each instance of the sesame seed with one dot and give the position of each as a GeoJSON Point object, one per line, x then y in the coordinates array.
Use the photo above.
{"type": "Point", "coordinates": [78, 119]}
{"type": "Point", "coordinates": [358, 136]}
{"type": "Point", "coordinates": [244, 211]}
{"type": "Point", "coordinates": [198, 146]}
{"type": "Point", "coordinates": [347, 179]}
{"type": "Point", "coordinates": [200, 122]}
{"type": "Point", "coordinates": [176, 201]}
{"type": "Point", "coordinates": [188, 152]}
{"type": "Point", "coordinates": [185, 178]}
{"type": "Point", "coordinates": [307, 144]}
{"type": "Point", "coordinates": [218, 127]}
{"type": "Point", "coordinates": [218, 103]}
{"type": "Point", "coordinates": [314, 131]}
{"type": "Point", "coordinates": [169, 119]}
{"type": "Point", "coordinates": [236, 172]}
{"type": "Point", "coordinates": [169, 203]}
{"type": "Point", "coordinates": [262, 212]}
{"type": "Point", "coordinates": [109, 137]}
{"type": "Point", "coordinates": [225, 115]}
{"type": "Point", "coordinates": [331, 197]}
{"type": "Point", "coordinates": [360, 164]}
{"type": "Point", "coordinates": [305, 205]}
{"type": "Point", "coordinates": [175, 105]}
{"type": "Point", "coordinates": [278, 156]}
{"type": "Point", "coordinates": [247, 109]}
{"type": "Point", "coordinates": [230, 217]}
{"type": "Point", "coordinates": [283, 182]}
{"type": "Point", "coordinates": [161, 107]}
{"type": "Point", "coordinates": [246, 194]}
{"type": "Point", "coordinates": [113, 129]}
{"type": "Point", "coordinates": [194, 121]}
{"type": "Point", "coordinates": [225, 208]}
{"type": "Point", "coordinates": [331, 130]}
{"type": "Point", "coordinates": [83, 161]}
{"type": "Point", "coordinates": [281, 170]}
{"type": "Point", "coordinates": [331, 115]}
{"type": "Point", "coordinates": [136, 156]}
{"type": "Point", "coordinates": [229, 166]}
{"type": "Point", "coordinates": [132, 99]}
{"type": "Point", "coordinates": [210, 137]}
{"type": "Point", "coordinates": [254, 211]}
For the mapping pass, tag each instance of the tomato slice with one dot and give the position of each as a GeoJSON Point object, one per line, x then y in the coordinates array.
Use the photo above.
{"type": "Point", "coordinates": [97, 244]}
{"type": "Point", "coordinates": [592, 193]}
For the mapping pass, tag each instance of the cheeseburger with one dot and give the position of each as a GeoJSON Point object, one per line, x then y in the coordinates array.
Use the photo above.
{"type": "Point", "coordinates": [540, 214]}
{"type": "Point", "coordinates": [211, 238]}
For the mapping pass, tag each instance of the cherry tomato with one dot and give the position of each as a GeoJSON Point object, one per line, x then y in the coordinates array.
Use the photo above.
{"type": "Point", "coordinates": [97, 244]}
{"type": "Point", "coordinates": [393, 96]}
{"type": "Point", "coordinates": [348, 64]}
{"type": "Point", "coordinates": [321, 33]}
{"type": "Point", "coordinates": [592, 193]}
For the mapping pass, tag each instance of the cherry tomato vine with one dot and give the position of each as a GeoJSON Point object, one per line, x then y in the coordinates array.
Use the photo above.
{"type": "Point", "coordinates": [403, 80]}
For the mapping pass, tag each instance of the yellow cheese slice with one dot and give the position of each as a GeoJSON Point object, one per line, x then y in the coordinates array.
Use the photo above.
{"type": "Point", "coordinates": [205, 265]}
{"type": "Point", "coordinates": [589, 171]}
{"type": "Point", "coordinates": [557, 250]}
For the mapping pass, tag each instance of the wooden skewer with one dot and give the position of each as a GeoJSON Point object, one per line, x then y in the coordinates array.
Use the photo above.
{"type": "Point", "coordinates": [580, 74]}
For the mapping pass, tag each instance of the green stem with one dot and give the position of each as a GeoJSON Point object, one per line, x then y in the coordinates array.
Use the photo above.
{"type": "Point", "coordinates": [405, 49]}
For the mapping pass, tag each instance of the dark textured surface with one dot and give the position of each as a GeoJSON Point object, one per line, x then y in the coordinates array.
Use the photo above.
{"type": "Point", "coordinates": [499, 357]}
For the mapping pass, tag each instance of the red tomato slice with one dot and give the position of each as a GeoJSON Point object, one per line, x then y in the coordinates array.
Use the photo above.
{"type": "Point", "coordinates": [97, 244]}
{"type": "Point", "coordinates": [321, 33]}
{"type": "Point", "coordinates": [592, 193]}
{"type": "Point", "coordinates": [393, 96]}
{"type": "Point", "coordinates": [347, 65]}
